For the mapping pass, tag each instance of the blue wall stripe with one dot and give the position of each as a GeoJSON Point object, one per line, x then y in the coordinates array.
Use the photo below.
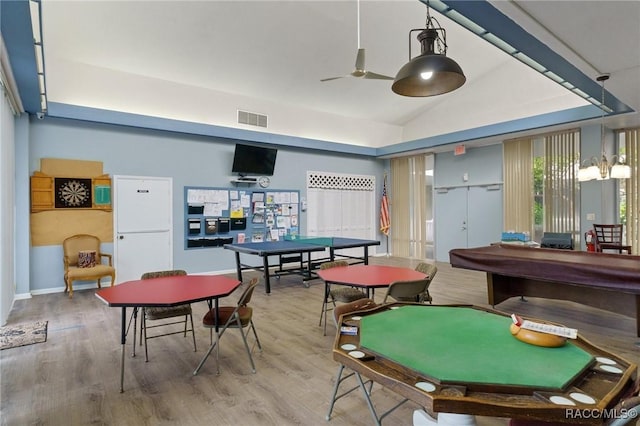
{"type": "Point", "coordinates": [15, 26]}
{"type": "Point", "coordinates": [498, 24]}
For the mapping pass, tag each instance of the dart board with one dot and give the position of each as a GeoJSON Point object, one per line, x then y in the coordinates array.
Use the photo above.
{"type": "Point", "coordinates": [73, 193]}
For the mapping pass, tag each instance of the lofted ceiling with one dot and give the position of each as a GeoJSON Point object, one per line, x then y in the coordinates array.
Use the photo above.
{"type": "Point", "coordinates": [201, 61]}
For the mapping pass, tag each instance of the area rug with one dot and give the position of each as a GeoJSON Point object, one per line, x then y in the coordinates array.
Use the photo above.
{"type": "Point", "coordinates": [12, 336]}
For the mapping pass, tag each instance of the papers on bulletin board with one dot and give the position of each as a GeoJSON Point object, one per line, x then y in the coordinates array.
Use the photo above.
{"type": "Point", "coordinates": [211, 209]}
{"type": "Point", "coordinates": [203, 196]}
{"type": "Point", "coordinates": [236, 213]}
{"type": "Point", "coordinates": [236, 210]}
{"type": "Point", "coordinates": [269, 221]}
{"type": "Point", "coordinates": [284, 197]}
{"type": "Point", "coordinates": [283, 222]}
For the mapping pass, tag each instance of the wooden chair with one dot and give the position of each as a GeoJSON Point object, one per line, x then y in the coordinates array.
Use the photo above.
{"type": "Point", "coordinates": [344, 294]}
{"type": "Point", "coordinates": [85, 247]}
{"type": "Point", "coordinates": [609, 237]}
{"type": "Point", "coordinates": [430, 270]}
{"type": "Point", "coordinates": [239, 316]}
{"type": "Point", "coordinates": [169, 315]}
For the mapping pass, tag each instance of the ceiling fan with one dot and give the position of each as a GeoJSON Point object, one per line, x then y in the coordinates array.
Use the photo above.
{"type": "Point", "coordinates": [360, 71]}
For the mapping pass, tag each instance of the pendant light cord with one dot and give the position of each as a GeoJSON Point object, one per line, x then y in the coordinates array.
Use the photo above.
{"type": "Point", "coordinates": [602, 79]}
{"type": "Point", "coordinates": [358, 13]}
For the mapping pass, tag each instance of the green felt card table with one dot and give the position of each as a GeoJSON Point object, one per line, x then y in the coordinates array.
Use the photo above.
{"type": "Point", "coordinates": [463, 359]}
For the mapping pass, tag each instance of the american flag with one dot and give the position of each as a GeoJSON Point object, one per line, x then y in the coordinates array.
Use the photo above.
{"type": "Point", "coordinates": [385, 222]}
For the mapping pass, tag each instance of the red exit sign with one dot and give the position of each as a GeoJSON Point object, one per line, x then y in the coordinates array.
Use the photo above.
{"type": "Point", "coordinates": [459, 150]}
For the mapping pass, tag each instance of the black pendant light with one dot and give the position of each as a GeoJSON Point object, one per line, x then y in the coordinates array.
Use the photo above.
{"type": "Point", "coordinates": [432, 73]}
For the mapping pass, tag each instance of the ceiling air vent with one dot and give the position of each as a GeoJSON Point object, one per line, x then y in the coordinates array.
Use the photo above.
{"type": "Point", "coordinates": [252, 119]}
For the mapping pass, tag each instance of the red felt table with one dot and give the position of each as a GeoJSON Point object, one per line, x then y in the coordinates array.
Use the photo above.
{"type": "Point", "coordinates": [368, 277]}
{"type": "Point", "coordinates": [165, 291]}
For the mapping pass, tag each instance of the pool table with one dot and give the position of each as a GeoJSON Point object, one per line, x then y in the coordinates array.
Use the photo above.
{"type": "Point", "coordinates": [602, 280]}
{"type": "Point", "coordinates": [463, 359]}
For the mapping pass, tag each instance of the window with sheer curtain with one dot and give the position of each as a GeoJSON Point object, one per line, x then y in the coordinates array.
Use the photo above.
{"type": "Point", "coordinates": [409, 236]}
{"type": "Point", "coordinates": [541, 192]}
{"type": "Point", "coordinates": [631, 201]}
{"type": "Point", "coordinates": [518, 210]}
{"type": "Point", "coordinates": [341, 205]}
{"type": "Point", "coordinates": [561, 189]}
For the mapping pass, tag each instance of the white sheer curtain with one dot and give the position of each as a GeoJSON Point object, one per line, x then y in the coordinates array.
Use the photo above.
{"type": "Point", "coordinates": [518, 185]}
{"type": "Point", "coordinates": [341, 205]}
{"type": "Point", "coordinates": [408, 207]}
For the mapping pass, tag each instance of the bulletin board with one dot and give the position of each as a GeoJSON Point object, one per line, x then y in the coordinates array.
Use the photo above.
{"type": "Point", "coordinates": [218, 216]}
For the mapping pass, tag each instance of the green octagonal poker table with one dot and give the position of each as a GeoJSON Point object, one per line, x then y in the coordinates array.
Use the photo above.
{"type": "Point", "coordinates": [463, 359]}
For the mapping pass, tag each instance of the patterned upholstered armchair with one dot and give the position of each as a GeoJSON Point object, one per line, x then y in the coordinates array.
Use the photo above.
{"type": "Point", "coordinates": [83, 261]}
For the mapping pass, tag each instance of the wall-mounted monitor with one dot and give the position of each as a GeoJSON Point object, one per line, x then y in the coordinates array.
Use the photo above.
{"type": "Point", "coordinates": [254, 160]}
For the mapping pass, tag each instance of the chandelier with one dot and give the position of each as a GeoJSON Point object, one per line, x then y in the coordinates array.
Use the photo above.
{"type": "Point", "coordinates": [603, 168]}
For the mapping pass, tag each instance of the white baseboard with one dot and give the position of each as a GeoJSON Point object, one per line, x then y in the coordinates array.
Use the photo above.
{"type": "Point", "coordinates": [104, 284]}
{"type": "Point", "coordinates": [21, 296]}
{"type": "Point", "coordinates": [75, 287]}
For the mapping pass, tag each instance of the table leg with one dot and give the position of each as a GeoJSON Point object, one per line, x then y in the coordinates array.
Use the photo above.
{"type": "Point", "coordinates": [367, 398]}
{"type": "Point", "coordinates": [335, 391]}
{"type": "Point", "coordinates": [366, 255]}
{"type": "Point", "coordinates": [238, 266]}
{"type": "Point", "coordinates": [217, 316]}
{"type": "Point", "coordinates": [309, 265]}
{"type": "Point", "coordinates": [134, 315]}
{"type": "Point", "coordinates": [123, 341]}
{"type": "Point", "coordinates": [324, 308]}
{"type": "Point", "coordinates": [339, 380]}
{"type": "Point", "coordinates": [265, 266]}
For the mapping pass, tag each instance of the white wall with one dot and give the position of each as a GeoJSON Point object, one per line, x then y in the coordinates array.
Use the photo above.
{"type": "Point", "coordinates": [7, 211]}
{"type": "Point", "coordinates": [201, 105]}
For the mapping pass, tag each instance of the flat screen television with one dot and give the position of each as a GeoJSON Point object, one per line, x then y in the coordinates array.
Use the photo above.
{"type": "Point", "coordinates": [254, 160]}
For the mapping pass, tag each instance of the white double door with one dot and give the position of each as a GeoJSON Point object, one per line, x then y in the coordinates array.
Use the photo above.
{"type": "Point", "coordinates": [468, 216]}
{"type": "Point", "coordinates": [143, 225]}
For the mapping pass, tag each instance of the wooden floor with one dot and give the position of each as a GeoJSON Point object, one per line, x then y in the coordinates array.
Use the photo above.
{"type": "Point", "coordinates": [73, 378]}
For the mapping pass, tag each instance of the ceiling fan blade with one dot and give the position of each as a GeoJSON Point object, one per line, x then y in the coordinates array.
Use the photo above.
{"type": "Point", "coordinates": [360, 59]}
{"type": "Point", "coordinates": [374, 76]}
{"type": "Point", "coordinates": [332, 78]}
